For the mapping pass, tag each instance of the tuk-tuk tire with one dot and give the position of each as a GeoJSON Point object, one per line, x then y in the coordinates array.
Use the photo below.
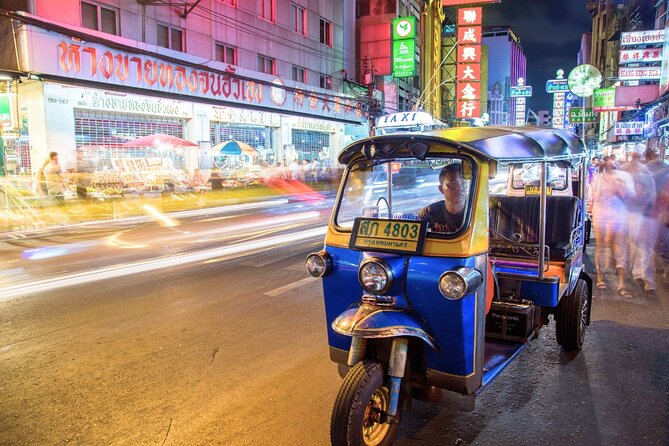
{"type": "Point", "coordinates": [356, 391]}
{"type": "Point", "coordinates": [571, 317]}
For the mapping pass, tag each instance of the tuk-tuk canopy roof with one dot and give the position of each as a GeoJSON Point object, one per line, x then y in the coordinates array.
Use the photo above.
{"type": "Point", "coordinates": [502, 144]}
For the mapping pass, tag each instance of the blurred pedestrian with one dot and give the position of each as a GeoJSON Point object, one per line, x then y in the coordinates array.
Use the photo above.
{"type": "Point", "coordinates": [660, 210]}
{"type": "Point", "coordinates": [611, 189]}
{"type": "Point", "coordinates": [612, 158]}
{"type": "Point", "coordinates": [39, 181]}
{"type": "Point", "coordinates": [54, 180]}
{"type": "Point", "coordinates": [306, 170]}
{"type": "Point", "coordinates": [294, 169]}
{"type": "Point", "coordinates": [642, 224]}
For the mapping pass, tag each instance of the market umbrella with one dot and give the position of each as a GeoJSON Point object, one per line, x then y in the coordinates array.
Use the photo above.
{"type": "Point", "coordinates": [159, 139]}
{"type": "Point", "coordinates": [232, 147]}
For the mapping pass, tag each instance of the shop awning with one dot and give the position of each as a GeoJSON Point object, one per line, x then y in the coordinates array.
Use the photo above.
{"type": "Point", "coordinates": [232, 147]}
{"type": "Point", "coordinates": [157, 140]}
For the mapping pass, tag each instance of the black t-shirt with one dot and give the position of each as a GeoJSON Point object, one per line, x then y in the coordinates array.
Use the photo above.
{"type": "Point", "coordinates": [439, 219]}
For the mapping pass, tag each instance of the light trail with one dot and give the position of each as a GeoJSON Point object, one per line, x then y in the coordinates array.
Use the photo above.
{"type": "Point", "coordinates": [143, 266]}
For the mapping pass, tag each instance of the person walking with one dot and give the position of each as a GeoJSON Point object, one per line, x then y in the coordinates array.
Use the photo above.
{"type": "Point", "coordinates": [611, 189]}
{"type": "Point", "coordinates": [641, 224]}
{"type": "Point", "coordinates": [54, 180]}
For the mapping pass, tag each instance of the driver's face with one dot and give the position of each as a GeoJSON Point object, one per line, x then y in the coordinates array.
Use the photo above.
{"type": "Point", "coordinates": [453, 188]}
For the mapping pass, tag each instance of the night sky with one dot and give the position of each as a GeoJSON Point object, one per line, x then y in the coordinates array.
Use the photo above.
{"type": "Point", "coordinates": [550, 34]}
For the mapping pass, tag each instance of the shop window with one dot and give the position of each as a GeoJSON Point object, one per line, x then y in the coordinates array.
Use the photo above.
{"type": "Point", "coordinates": [299, 74]}
{"type": "Point", "coordinates": [326, 32]}
{"type": "Point", "coordinates": [268, 10]}
{"type": "Point", "coordinates": [310, 145]}
{"type": "Point", "coordinates": [258, 137]}
{"type": "Point", "coordinates": [169, 37]}
{"type": "Point", "coordinates": [298, 19]}
{"type": "Point", "coordinates": [326, 82]}
{"type": "Point", "coordinates": [99, 137]}
{"type": "Point", "coordinates": [266, 65]}
{"type": "Point", "coordinates": [227, 54]}
{"type": "Point", "coordinates": [99, 18]}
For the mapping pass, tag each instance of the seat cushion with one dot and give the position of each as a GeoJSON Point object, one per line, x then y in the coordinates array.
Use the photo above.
{"type": "Point", "coordinates": [517, 218]}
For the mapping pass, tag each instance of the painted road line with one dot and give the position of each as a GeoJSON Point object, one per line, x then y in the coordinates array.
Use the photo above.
{"type": "Point", "coordinates": [290, 286]}
{"type": "Point", "coordinates": [111, 272]}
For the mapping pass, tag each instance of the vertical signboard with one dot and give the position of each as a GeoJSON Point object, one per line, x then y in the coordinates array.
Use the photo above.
{"type": "Point", "coordinates": [468, 79]}
{"type": "Point", "coordinates": [404, 46]}
{"type": "Point", "coordinates": [5, 111]}
{"type": "Point", "coordinates": [519, 93]}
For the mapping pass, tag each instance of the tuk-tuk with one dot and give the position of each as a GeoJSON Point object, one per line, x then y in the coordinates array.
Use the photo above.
{"type": "Point", "coordinates": [428, 311]}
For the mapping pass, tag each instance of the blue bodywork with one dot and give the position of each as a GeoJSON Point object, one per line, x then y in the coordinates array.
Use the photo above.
{"type": "Point", "coordinates": [451, 323]}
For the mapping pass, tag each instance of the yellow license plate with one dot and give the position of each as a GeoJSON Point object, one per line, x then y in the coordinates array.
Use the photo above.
{"type": "Point", "coordinates": [388, 235]}
{"type": "Point", "coordinates": [536, 190]}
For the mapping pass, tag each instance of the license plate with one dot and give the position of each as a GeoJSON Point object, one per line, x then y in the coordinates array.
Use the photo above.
{"type": "Point", "coordinates": [388, 235]}
{"type": "Point", "coordinates": [536, 190]}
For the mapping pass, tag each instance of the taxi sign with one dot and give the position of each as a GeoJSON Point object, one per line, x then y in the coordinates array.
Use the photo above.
{"type": "Point", "coordinates": [373, 234]}
{"type": "Point", "coordinates": [536, 190]}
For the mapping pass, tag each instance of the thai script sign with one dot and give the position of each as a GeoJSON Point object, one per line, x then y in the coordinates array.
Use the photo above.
{"type": "Point", "coordinates": [52, 53]}
{"type": "Point", "coordinates": [521, 91]}
{"type": "Point", "coordinates": [642, 37]}
{"type": "Point", "coordinates": [578, 114]}
{"type": "Point", "coordinates": [629, 128]}
{"type": "Point", "coordinates": [556, 85]}
{"type": "Point", "coordinates": [404, 47]}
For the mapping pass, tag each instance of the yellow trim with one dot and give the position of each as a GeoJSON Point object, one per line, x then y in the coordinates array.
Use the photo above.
{"type": "Point", "coordinates": [473, 241]}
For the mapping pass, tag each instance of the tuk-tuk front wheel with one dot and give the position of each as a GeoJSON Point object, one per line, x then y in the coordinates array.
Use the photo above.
{"type": "Point", "coordinates": [572, 318]}
{"type": "Point", "coordinates": [359, 416]}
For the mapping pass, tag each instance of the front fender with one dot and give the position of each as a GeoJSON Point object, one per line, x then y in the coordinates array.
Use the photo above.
{"type": "Point", "coordinates": [371, 321]}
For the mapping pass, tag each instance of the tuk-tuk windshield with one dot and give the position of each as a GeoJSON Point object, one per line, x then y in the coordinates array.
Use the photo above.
{"type": "Point", "coordinates": [437, 190]}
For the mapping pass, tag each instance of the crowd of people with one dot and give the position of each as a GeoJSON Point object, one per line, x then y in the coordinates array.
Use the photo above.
{"type": "Point", "coordinates": [629, 205]}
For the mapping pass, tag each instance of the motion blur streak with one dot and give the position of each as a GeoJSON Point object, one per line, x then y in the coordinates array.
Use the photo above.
{"type": "Point", "coordinates": [162, 219]}
{"type": "Point", "coordinates": [154, 264]}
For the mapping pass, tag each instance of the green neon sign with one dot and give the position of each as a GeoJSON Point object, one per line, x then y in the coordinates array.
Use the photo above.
{"type": "Point", "coordinates": [404, 59]}
{"type": "Point", "coordinates": [404, 28]}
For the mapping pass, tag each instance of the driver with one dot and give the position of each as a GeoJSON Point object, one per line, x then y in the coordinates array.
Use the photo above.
{"type": "Point", "coordinates": [447, 215]}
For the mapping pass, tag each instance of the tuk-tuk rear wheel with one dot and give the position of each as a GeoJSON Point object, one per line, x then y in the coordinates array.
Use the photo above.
{"type": "Point", "coordinates": [572, 318]}
{"type": "Point", "coordinates": [359, 413]}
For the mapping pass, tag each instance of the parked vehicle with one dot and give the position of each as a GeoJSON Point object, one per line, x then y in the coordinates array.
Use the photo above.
{"type": "Point", "coordinates": [416, 310]}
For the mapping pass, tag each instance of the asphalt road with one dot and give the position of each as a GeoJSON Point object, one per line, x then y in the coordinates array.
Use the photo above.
{"type": "Point", "coordinates": [231, 350]}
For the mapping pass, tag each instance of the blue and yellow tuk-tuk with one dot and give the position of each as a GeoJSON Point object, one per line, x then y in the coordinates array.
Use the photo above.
{"type": "Point", "coordinates": [432, 286]}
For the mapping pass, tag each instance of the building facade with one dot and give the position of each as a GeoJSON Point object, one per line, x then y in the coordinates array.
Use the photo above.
{"type": "Point", "coordinates": [506, 64]}
{"type": "Point", "coordinates": [374, 20]}
{"type": "Point", "coordinates": [88, 77]}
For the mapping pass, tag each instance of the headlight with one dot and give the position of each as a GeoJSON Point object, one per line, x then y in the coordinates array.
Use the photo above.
{"type": "Point", "coordinates": [375, 276]}
{"type": "Point", "coordinates": [459, 282]}
{"type": "Point", "coordinates": [319, 264]}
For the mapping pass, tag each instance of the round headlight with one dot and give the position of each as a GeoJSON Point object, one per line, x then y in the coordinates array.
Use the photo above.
{"type": "Point", "coordinates": [318, 264]}
{"type": "Point", "coordinates": [452, 285]}
{"type": "Point", "coordinates": [459, 282]}
{"type": "Point", "coordinates": [375, 276]}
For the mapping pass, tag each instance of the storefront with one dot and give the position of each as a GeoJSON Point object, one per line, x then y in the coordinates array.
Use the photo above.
{"type": "Point", "coordinates": [89, 101]}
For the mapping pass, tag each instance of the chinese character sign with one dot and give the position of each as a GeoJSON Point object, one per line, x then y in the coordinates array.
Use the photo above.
{"type": "Point", "coordinates": [469, 53]}
{"type": "Point", "coordinates": [629, 128]}
{"type": "Point", "coordinates": [469, 16]}
{"type": "Point", "coordinates": [468, 71]}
